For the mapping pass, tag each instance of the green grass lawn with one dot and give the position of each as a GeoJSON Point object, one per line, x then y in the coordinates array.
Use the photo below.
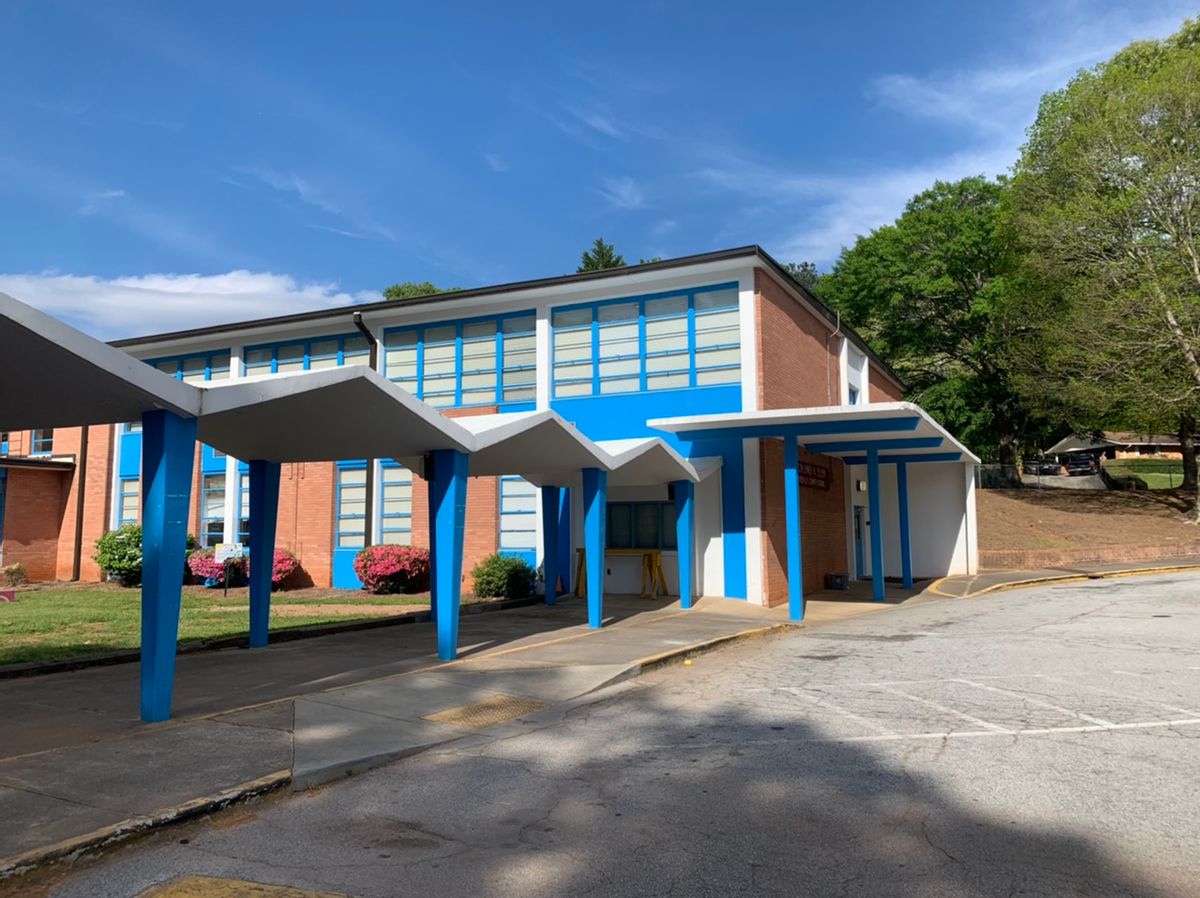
{"type": "Point", "coordinates": [1155, 473]}
{"type": "Point", "coordinates": [56, 623]}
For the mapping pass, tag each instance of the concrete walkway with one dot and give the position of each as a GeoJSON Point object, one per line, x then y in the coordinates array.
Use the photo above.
{"type": "Point", "coordinates": [969, 586]}
{"type": "Point", "coordinates": [78, 769]}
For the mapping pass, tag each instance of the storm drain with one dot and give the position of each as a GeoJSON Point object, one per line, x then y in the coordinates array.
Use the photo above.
{"type": "Point", "coordinates": [490, 711]}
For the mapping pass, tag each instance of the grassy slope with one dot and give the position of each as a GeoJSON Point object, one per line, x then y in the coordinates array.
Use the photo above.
{"type": "Point", "coordinates": [73, 622]}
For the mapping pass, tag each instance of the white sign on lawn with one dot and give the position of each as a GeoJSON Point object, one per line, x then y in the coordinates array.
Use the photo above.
{"type": "Point", "coordinates": [225, 551]}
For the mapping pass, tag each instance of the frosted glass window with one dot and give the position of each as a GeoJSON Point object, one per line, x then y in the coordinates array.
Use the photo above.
{"type": "Point", "coordinates": [356, 351]}
{"type": "Point", "coordinates": [518, 515]}
{"type": "Point", "coordinates": [257, 360]}
{"type": "Point", "coordinates": [289, 358]}
{"type": "Point", "coordinates": [130, 501]}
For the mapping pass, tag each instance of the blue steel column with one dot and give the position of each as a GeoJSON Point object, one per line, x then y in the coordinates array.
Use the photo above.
{"type": "Point", "coordinates": [566, 565]}
{"type": "Point", "coordinates": [791, 502]}
{"type": "Point", "coordinates": [595, 519]}
{"type": "Point", "coordinates": [905, 541]}
{"type": "Point", "coordinates": [447, 514]}
{"type": "Point", "coordinates": [168, 447]}
{"type": "Point", "coordinates": [264, 511]}
{"type": "Point", "coordinates": [876, 524]}
{"type": "Point", "coordinates": [550, 541]}
{"type": "Point", "coordinates": [685, 538]}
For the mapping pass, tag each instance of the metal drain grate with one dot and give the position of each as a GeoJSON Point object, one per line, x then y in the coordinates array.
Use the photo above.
{"type": "Point", "coordinates": [490, 711]}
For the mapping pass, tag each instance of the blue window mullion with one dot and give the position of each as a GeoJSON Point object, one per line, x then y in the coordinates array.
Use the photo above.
{"type": "Point", "coordinates": [341, 351]}
{"type": "Point", "coordinates": [642, 345]}
{"type": "Point", "coordinates": [691, 329]}
{"type": "Point", "coordinates": [458, 365]}
{"type": "Point", "coordinates": [500, 357]}
{"type": "Point", "coordinates": [595, 350]}
{"type": "Point", "coordinates": [420, 393]}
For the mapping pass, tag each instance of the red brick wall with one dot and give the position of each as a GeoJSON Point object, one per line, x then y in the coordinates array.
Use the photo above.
{"type": "Point", "coordinates": [822, 524]}
{"type": "Point", "coordinates": [97, 497]}
{"type": "Point", "coordinates": [797, 363]}
{"type": "Point", "coordinates": [33, 514]}
{"type": "Point", "coordinates": [797, 368]}
{"type": "Point", "coordinates": [881, 387]}
{"type": "Point", "coordinates": [307, 492]}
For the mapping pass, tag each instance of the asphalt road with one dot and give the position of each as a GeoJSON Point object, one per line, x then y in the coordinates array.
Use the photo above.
{"type": "Point", "coordinates": [1043, 742]}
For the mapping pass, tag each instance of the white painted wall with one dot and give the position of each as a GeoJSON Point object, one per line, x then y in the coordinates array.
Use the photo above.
{"type": "Point", "coordinates": [710, 542]}
{"type": "Point", "coordinates": [752, 488]}
{"type": "Point", "coordinates": [941, 507]}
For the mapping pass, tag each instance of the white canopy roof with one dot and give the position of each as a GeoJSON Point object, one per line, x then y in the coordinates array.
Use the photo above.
{"type": "Point", "coordinates": [647, 461]}
{"type": "Point", "coordinates": [897, 430]}
{"type": "Point", "coordinates": [52, 375]}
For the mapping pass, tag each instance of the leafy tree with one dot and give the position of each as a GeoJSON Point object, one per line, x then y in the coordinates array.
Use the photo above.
{"type": "Point", "coordinates": [651, 259]}
{"type": "Point", "coordinates": [1106, 207]}
{"type": "Point", "coordinates": [803, 273]}
{"type": "Point", "coordinates": [922, 291]}
{"type": "Point", "coordinates": [601, 256]}
{"type": "Point", "coordinates": [411, 289]}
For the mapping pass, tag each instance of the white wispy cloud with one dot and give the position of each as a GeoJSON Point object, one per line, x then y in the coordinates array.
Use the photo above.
{"type": "Point", "coordinates": [361, 225]}
{"type": "Point", "coordinates": [599, 121]}
{"type": "Point", "coordinates": [93, 201]}
{"type": "Point", "coordinates": [622, 193]}
{"type": "Point", "coordinates": [495, 162]}
{"type": "Point", "coordinates": [111, 308]}
{"type": "Point", "coordinates": [983, 110]}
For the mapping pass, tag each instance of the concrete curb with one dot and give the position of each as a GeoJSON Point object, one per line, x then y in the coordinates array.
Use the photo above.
{"type": "Point", "coordinates": [40, 668]}
{"type": "Point", "coordinates": [1064, 578]}
{"type": "Point", "coordinates": [69, 849]}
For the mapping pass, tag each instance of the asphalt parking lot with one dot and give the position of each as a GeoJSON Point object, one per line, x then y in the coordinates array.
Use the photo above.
{"type": "Point", "coordinates": [1036, 742]}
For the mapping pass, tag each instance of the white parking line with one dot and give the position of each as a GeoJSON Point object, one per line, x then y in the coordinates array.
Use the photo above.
{"type": "Point", "coordinates": [1100, 722]}
{"type": "Point", "coordinates": [1042, 731]}
{"type": "Point", "coordinates": [954, 711]}
{"type": "Point", "coordinates": [821, 703]}
{"type": "Point", "coordinates": [1136, 699]}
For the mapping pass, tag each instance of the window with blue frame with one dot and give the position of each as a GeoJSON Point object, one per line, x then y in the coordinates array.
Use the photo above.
{"type": "Point", "coordinates": [351, 520]}
{"type": "Point", "coordinates": [244, 507]}
{"type": "Point", "coordinates": [129, 499]}
{"type": "Point", "coordinates": [212, 509]}
{"type": "Point", "coordinates": [854, 396]}
{"type": "Point", "coordinates": [518, 517]}
{"type": "Point", "coordinates": [195, 367]}
{"type": "Point", "coordinates": [307, 355]}
{"type": "Point", "coordinates": [395, 504]}
{"type": "Point", "coordinates": [641, 525]}
{"type": "Point", "coordinates": [669, 341]}
{"type": "Point", "coordinates": [4, 443]}
{"type": "Point", "coordinates": [482, 361]}
{"type": "Point", "coordinates": [42, 441]}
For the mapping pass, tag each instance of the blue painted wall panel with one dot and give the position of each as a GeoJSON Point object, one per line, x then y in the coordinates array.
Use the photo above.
{"type": "Point", "coordinates": [623, 416]}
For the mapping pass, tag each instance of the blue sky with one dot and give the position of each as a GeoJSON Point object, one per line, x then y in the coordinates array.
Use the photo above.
{"type": "Point", "coordinates": [168, 165]}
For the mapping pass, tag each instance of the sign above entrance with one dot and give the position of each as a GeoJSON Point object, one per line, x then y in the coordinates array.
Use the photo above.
{"type": "Point", "coordinates": [814, 476]}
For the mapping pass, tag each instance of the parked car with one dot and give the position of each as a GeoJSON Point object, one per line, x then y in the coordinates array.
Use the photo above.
{"type": "Point", "coordinates": [1083, 464]}
{"type": "Point", "coordinates": [1041, 466]}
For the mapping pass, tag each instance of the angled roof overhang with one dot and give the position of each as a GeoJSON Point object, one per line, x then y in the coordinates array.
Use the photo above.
{"type": "Point", "coordinates": [538, 446]}
{"type": "Point", "coordinates": [897, 431]}
{"type": "Point", "coordinates": [52, 375]}
{"type": "Point", "coordinates": [648, 461]}
{"type": "Point", "coordinates": [338, 413]}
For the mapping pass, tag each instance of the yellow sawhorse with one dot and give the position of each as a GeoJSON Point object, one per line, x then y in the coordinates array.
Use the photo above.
{"type": "Point", "coordinates": [653, 576]}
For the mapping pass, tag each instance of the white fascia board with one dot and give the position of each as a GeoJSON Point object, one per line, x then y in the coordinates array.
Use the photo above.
{"type": "Point", "coordinates": [748, 332]}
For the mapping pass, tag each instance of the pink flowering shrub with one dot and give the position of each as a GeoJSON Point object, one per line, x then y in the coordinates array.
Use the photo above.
{"type": "Point", "coordinates": [393, 569]}
{"type": "Point", "coordinates": [205, 568]}
{"type": "Point", "coordinates": [284, 566]}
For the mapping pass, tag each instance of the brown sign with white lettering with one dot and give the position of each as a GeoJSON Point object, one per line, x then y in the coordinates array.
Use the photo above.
{"type": "Point", "coordinates": [817, 477]}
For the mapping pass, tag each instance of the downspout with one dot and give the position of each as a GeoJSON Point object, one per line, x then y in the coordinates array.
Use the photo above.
{"type": "Point", "coordinates": [837, 332]}
{"type": "Point", "coordinates": [369, 508]}
{"type": "Point", "coordinates": [81, 482]}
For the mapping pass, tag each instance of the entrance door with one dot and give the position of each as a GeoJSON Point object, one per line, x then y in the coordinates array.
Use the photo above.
{"type": "Point", "coordinates": [860, 568]}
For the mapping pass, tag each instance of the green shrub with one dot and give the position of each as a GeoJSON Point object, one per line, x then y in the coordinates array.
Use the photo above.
{"type": "Point", "coordinates": [119, 554]}
{"type": "Point", "coordinates": [504, 576]}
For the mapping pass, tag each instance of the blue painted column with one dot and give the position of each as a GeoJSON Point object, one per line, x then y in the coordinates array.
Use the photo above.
{"type": "Point", "coordinates": [447, 515]}
{"type": "Point", "coordinates": [685, 539]}
{"type": "Point", "coordinates": [595, 521]}
{"type": "Point", "coordinates": [168, 449]}
{"type": "Point", "coordinates": [566, 558]}
{"type": "Point", "coordinates": [873, 489]}
{"type": "Point", "coordinates": [905, 541]}
{"type": "Point", "coordinates": [550, 541]}
{"type": "Point", "coordinates": [791, 502]}
{"type": "Point", "coordinates": [264, 511]}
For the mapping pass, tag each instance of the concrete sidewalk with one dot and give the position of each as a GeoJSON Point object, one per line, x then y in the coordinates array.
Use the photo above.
{"type": "Point", "coordinates": [77, 768]}
{"type": "Point", "coordinates": [970, 586]}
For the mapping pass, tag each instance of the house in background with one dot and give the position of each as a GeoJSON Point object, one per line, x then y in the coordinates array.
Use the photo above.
{"type": "Point", "coordinates": [724, 335]}
{"type": "Point", "coordinates": [1115, 444]}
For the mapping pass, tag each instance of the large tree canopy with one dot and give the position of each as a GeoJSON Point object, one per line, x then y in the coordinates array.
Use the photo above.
{"type": "Point", "coordinates": [1105, 206]}
{"type": "Point", "coordinates": [601, 255]}
{"type": "Point", "coordinates": [923, 292]}
{"type": "Point", "coordinates": [411, 289]}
